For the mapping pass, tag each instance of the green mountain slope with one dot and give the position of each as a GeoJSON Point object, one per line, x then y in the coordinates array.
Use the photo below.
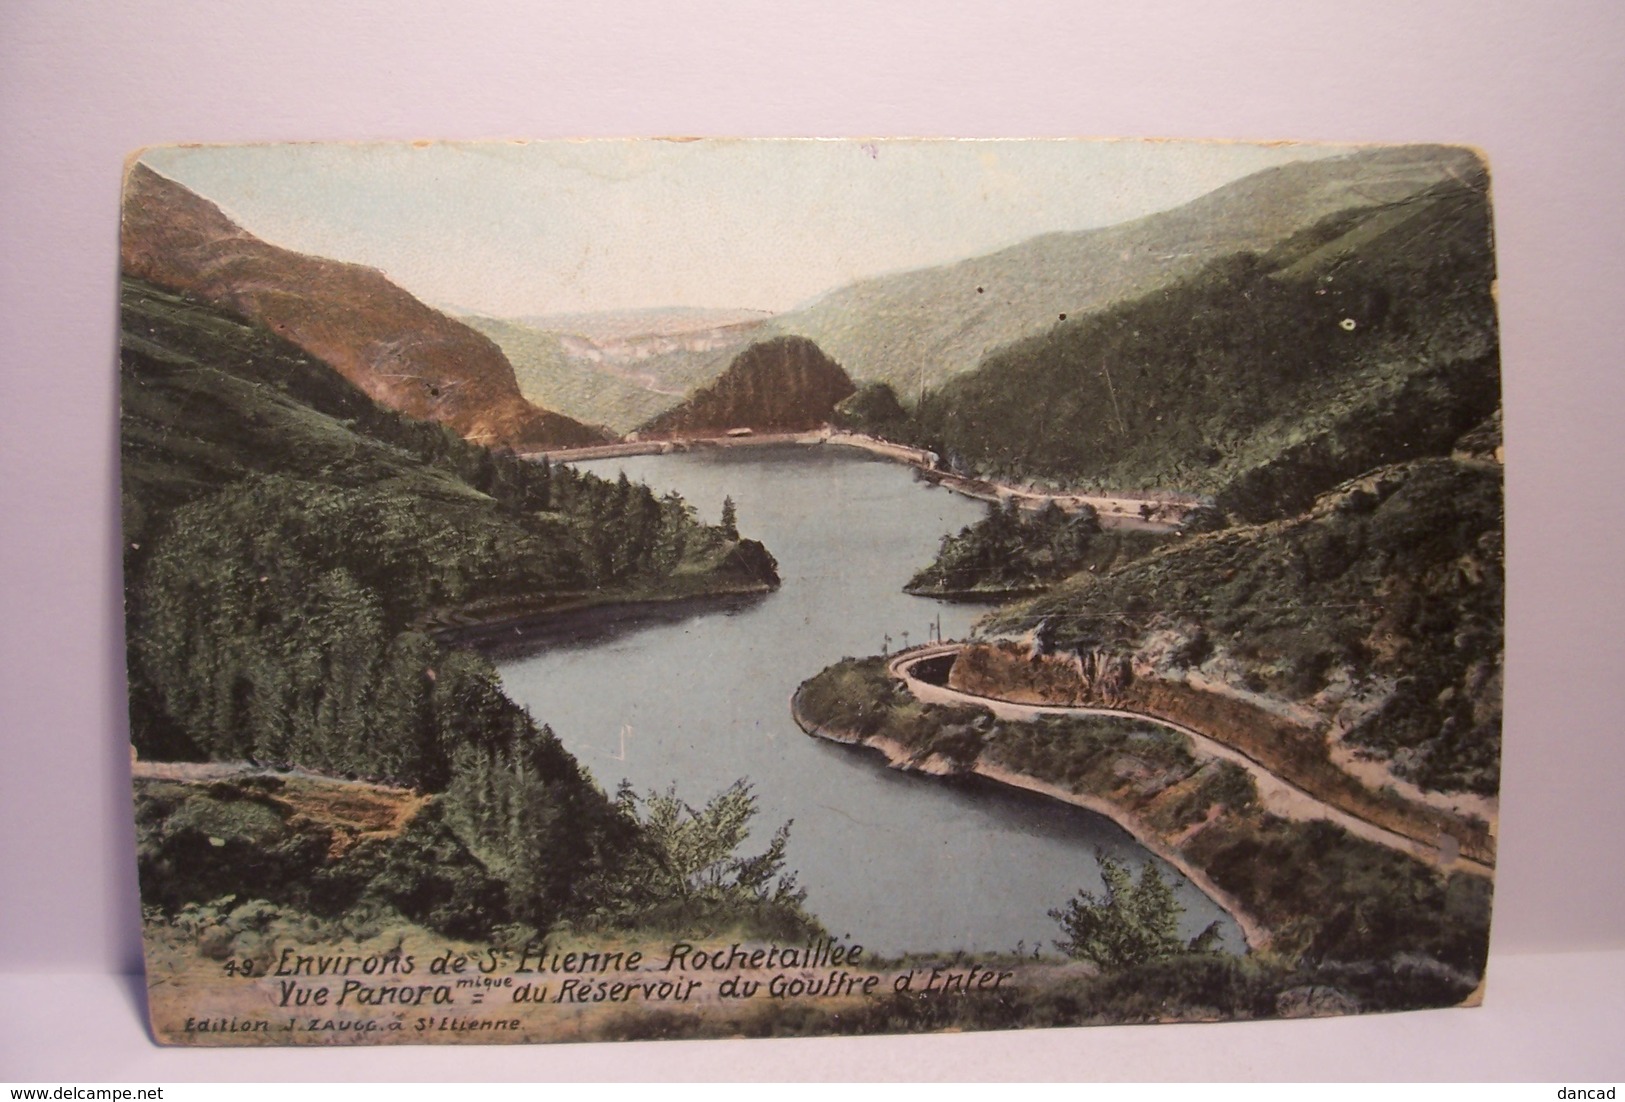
{"type": "Point", "coordinates": [1261, 380]}
{"type": "Point", "coordinates": [397, 350]}
{"type": "Point", "coordinates": [919, 328]}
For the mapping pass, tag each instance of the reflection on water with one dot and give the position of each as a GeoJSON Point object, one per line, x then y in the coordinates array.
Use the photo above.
{"type": "Point", "coordinates": [700, 695]}
{"type": "Point", "coordinates": [587, 627]}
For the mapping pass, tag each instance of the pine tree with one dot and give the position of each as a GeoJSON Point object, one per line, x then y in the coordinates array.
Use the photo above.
{"type": "Point", "coordinates": [695, 849]}
{"type": "Point", "coordinates": [730, 519]}
{"type": "Point", "coordinates": [1132, 924]}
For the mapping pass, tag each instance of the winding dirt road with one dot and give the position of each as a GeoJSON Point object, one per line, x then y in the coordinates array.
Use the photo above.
{"type": "Point", "coordinates": [1280, 796]}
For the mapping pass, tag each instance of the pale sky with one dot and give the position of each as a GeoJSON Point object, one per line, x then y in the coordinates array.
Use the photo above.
{"type": "Point", "coordinates": [514, 229]}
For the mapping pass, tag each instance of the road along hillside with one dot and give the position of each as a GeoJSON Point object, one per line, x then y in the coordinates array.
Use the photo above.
{"type": "Point", "coordinates": [1279, 795]}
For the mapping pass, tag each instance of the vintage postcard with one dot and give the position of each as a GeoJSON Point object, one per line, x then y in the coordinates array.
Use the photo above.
{"type": "Point", "coordinates": [642, 589]}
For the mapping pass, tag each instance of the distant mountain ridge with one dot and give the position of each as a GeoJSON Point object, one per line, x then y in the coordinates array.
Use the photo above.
{"type": "Point", "coordinates": [551, 375]}
{"type": "Point", "coordinates": [919, 328]}
{"type": "Point", "coordinates": [615, 377]}
{"type": "Point", "coordinates": [1263, 379]}
{"type": "Point", "coordinates": [602, 326]}
{"type": "Point", "coordinates": [399, 351]}
{"type": "Point", "coordinates": [611, 372]}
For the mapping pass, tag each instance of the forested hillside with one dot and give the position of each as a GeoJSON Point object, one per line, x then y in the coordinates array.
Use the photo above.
{"type": "Point", "coordinates": [786, 384]}
{"type": "Point", "coordinates": [1380, 610]}
{"type": "Point", "coordinates": [1262, 380]}
{"type": "Point", "coordinates": [925, 326]}
{"type": "Point", "coordinates": [285, 539]}
{"type": "Point", "coordinates": [1007, 553]}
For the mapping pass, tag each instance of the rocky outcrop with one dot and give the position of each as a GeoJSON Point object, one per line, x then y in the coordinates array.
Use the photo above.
{"type": "Point", "coordinates": [400, 352]}
{"type": "Point", "coordinates": [1028, 675]}
{"type": "Point", "coordinates": [749, 561]}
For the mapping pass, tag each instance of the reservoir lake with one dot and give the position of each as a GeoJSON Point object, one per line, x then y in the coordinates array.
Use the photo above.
{"type": "Point", "coordinates": [699, 696]}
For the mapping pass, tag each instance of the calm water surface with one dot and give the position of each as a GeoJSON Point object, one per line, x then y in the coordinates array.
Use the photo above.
{"type": "Point", "coordinates": [897, 862]}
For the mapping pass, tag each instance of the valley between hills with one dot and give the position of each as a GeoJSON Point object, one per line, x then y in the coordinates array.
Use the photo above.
{"type": "Point", "coordinates": [1242, 466]}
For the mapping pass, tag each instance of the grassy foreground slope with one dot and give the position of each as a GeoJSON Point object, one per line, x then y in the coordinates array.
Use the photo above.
{"type": "Point", "coordinates": [1261, 380]}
